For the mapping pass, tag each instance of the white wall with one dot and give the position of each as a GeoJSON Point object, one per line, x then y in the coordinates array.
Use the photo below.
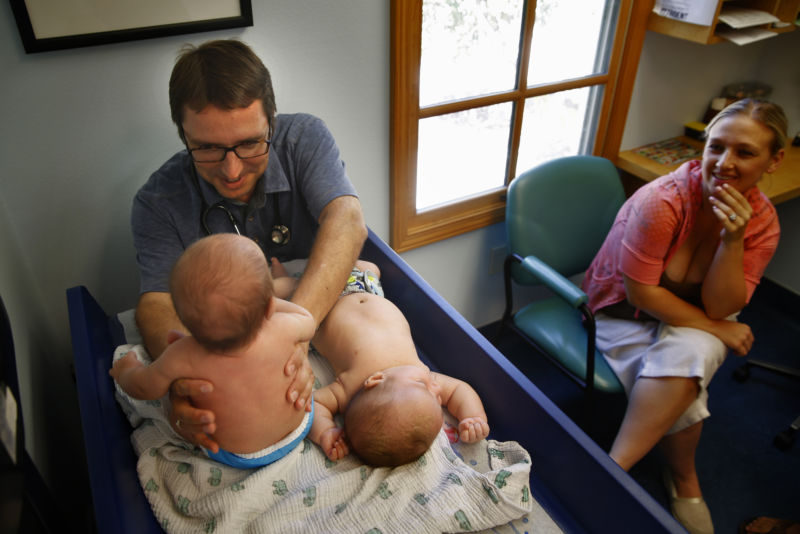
{"type": "Point", "coordinates": [83, 128]}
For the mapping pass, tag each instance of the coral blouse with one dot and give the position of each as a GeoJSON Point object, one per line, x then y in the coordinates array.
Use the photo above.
{"type": "Point", "coordinates": [655, 221]}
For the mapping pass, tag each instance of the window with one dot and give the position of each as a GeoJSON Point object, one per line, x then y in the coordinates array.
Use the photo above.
{"type": "Point", "coordinates": [484, 88]}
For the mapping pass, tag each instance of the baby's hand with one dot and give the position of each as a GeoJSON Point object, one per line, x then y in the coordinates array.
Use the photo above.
{"type": "Point", "coordinates": [332, 442]}
{"type": "Point", "coordinates": [472, 429]}
{"type": "Point", "coordinates": [129, 361]}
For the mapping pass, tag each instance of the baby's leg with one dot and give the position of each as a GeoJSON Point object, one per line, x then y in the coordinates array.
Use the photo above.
{"type": "Point", "coordinates": [363, 265]}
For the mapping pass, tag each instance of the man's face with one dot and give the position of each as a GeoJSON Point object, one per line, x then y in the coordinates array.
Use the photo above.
{"type": "Point", "coordinates": [233, 178]}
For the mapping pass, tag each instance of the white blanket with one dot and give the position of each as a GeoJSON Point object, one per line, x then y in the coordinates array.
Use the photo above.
{"type": "Point", "coordinates": [452, 488]}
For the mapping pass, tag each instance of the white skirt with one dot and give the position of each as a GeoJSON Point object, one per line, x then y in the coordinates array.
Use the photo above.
{"type": "Point", "coordinates": [655, 349]}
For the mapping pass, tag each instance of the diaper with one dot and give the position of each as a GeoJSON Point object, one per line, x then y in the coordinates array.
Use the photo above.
{"type": "Point", "coordinates": [270, 454]}
{"type": "Point", "coordinates": [363, 282]}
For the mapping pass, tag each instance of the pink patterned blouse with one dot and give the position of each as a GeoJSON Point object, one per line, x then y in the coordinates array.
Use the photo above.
{"type": "Point", "coordinates": [655, 221]}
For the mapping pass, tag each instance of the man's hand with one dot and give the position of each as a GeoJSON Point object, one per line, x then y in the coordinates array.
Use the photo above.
{"type": "Point", "coordinates": [299, 392]}
{"type": "Point", "coordinates": [192, 424]}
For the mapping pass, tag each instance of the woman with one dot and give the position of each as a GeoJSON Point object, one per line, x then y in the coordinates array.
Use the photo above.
{"type": "Point", "coordinates": [683, 257]}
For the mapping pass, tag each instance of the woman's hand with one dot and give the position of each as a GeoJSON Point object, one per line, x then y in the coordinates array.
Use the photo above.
{"type": "Point", "coordinates": [733, 211]}
{"type": "Point", "coordinates": [737, 336]}
{"type": "Point", "coordinates": [192, 424]}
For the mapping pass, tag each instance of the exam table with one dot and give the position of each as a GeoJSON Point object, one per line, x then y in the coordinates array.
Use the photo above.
{"type": "Point", "coordinates": [575, 481]}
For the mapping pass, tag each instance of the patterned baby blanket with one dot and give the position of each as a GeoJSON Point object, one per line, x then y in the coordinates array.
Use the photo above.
{"type": "Point", "coordinates": [454, 487]}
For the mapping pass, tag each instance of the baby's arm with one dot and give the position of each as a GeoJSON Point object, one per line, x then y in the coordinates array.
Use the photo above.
{"type": "Point", "coordinates": [283, 285]}
{"type": "Point", "coordinates": [145, 382]}
{"type": "Point", "coordinates": [324, 431]}
{"type": "Point", "coordinates": [464, 403]}
{"type": "Point", "coordinates": [305, 326]}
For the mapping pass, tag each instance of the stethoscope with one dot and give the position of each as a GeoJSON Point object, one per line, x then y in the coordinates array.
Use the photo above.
{"type": "Point", "coordinates": [280, 233]}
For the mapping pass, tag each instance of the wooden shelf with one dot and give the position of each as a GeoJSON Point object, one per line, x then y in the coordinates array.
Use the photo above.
{"type": "Point", "coordinates": [785, 10]}
{"type": "Point", "coordinates": [779, 187]}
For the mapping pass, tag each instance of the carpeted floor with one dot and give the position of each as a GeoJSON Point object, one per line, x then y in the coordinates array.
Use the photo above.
{"type": "Point", "coordinates": [741, 472]}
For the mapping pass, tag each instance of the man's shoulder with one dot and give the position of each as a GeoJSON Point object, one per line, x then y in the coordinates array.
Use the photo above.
{"type": "Point", "coordinates": [293, 127]}
{"type": "Point", "coordinates": [169, 179]}
{"type": "Point", "coordinates": [296, 120]}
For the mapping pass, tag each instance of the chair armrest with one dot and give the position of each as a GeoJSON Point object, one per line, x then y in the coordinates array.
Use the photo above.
{"type": "Point", "coordinates": [557, 283]}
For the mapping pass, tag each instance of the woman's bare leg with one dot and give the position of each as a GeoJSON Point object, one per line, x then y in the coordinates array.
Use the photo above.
{"type": "Point", "coordinates": [654, 404]}
{"type": "Point", "coordinates": [679, 449]}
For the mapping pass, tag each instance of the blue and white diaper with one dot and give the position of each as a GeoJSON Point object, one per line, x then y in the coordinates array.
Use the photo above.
{"type": "Point", "coordinates": [363, 282]}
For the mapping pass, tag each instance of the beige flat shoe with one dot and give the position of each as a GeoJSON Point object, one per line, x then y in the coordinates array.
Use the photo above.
{"type": "Point", "coordinates": [691, 512]}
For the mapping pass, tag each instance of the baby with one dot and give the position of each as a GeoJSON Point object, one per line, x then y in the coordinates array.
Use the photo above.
{"type": "Point", "coordinates": [392, 402]}
{"type": "Point", "coordinates": [241, 337]}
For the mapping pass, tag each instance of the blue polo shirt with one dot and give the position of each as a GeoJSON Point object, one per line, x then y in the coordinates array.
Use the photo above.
{"type": "Point", "coordinates": [304, 173]}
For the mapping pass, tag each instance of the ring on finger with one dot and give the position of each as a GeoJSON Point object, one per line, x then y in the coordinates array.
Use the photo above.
{"type": "Point", "coordinates": [732, 217]}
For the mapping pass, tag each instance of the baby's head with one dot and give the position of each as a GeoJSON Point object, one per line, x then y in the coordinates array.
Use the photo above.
{"type": "Point", "coordinates": [395, 417]}
{"type": "Point", "coordinates": [222, 289]}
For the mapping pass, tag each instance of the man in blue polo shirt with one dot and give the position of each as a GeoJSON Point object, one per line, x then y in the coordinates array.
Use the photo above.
{"type": "Point", "coordinates": [277, 179]}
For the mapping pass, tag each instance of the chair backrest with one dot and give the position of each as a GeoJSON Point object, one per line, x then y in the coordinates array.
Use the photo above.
{"type": "Point", "coordinates": [561, 211]}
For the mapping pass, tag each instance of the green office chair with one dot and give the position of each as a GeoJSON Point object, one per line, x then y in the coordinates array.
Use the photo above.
{"type": "Point", "coordinates": [557, 217]}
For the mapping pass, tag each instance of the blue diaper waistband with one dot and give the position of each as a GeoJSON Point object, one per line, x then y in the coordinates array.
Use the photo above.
{"type": "Point", "coordinates": [272, 453]}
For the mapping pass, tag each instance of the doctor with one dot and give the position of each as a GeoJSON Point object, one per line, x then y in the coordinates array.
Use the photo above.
{"type": "Point", "coordinates": [277, 179]}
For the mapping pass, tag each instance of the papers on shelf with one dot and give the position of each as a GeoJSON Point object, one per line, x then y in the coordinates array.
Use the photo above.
{"type": "Point", "coordinates": [745, 35]}
{"type": "Point", "coordinates": [742, 17]}
{"type": "Point", "coordinates": [693, 11]}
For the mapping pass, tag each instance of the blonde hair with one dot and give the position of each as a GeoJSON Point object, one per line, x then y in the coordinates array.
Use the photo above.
{"type": "Point", "coordinates": [221, 287]}
{"type": "Point", "coordinates": [767, 113]}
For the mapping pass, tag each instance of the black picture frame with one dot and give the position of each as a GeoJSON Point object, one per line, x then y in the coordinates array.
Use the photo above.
{"type": "Point", "coordinates": [34, 44]}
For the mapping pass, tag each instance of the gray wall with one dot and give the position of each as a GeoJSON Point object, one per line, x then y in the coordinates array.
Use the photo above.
{"type": "Point", "coordinates": [81, 131]}
{"type": "Point", "coordinates": [83, 128]}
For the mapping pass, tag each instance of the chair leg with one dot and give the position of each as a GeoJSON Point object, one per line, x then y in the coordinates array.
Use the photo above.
{"type": "Point", "coordinates": [508, 293]}
{"type": "Point", "coordinates": [784, 439]}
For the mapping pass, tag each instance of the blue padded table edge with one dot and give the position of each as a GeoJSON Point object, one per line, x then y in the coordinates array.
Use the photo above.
{"type": "Point", "coordinates": [574, 480]}
{"type": "Point", "coordinates": [119, 502]}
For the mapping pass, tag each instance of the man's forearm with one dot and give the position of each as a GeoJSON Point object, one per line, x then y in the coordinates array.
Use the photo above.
{"type": "Point", "coordinates": [337, 245]}
{"type": "Point", "coordinates": [155, 317]}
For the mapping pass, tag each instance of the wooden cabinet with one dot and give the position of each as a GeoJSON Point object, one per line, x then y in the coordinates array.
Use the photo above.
{"type": "Point", "coordinates": [785, 10]}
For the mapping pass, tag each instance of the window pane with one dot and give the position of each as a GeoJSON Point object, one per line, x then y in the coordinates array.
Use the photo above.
{"type": "Point", "coordinates": [462, 154]}
{"type": "Point", "coordinates": [469, 48]}
{"type": "Point", "coordinates": [571, 39]}
{"type": "Point", "coordinates": [558, 124]}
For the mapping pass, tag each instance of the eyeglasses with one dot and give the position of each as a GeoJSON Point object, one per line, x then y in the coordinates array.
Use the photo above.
{"type": "Point", "coordinates": [245, 150]}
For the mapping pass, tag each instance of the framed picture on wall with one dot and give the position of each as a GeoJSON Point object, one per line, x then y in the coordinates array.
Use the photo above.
{"type": "Point", "coordinates": [45, 25]}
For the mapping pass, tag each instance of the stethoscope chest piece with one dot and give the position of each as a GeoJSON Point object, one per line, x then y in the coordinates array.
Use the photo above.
{"type": "Point", "coordinates": [280, 234]}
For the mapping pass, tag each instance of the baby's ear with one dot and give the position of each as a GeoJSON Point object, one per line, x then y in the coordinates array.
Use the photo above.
{"type": "Point", "coordinates": [373, 380]}
{"type": "Point", "coordinates": [173, 336]}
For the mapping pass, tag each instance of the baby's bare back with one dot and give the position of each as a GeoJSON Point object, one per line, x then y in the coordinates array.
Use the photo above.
{"type": "Point", "coordinates": [363, 334]}
{"type": "Point", "coordinates": [249, 397]}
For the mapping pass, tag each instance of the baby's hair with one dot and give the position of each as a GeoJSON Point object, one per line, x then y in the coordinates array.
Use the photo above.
{"type": "Point", "coordinates": [767, 113]}
{"type": "Point", "coordinates": [221, 288]}
{"type": "Point", "coordinates": [385, 432]}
